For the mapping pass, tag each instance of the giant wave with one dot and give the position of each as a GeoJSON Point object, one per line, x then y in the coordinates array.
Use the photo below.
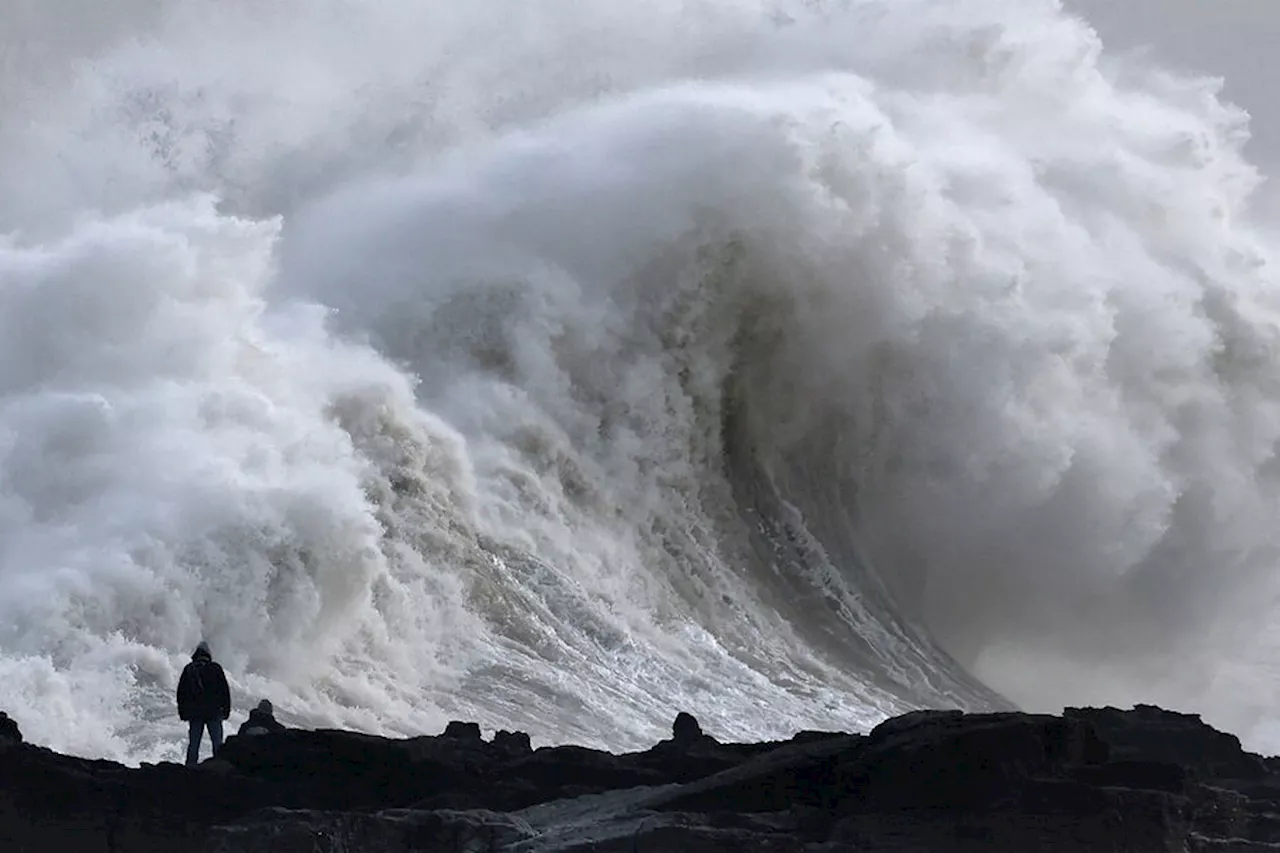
{"type": "Point", "coordinates": [557, 364]}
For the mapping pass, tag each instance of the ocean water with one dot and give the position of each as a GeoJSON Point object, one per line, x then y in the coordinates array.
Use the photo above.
{"type": "Point", "coordinates": [560, 365]}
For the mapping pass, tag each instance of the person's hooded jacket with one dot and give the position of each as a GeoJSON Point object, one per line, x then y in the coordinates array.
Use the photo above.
{"type": "Point", "coordinates": [261, 720]}
{"type": "Point", "coordinates": [203, 693]}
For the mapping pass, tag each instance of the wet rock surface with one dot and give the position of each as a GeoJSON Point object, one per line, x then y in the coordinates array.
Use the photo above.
{"type": "Point", "coordinates": [1092, 779]}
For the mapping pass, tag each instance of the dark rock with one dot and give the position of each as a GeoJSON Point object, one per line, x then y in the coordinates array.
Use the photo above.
{"type": "Point", "coordinates": [813, 737]}
{"type": "Point", "coordinates": [1177, 738]}
{"type": "Point", "coordinates": [462, 731]}
{"type": "Point", "coordinates": [1139, 775]}
{"type": "Point", "coordinates": [513, 742]}
{"type": "Point", "coordinates": [9, 729]}
{"type": "Point", "coordinates": [558, 772]}
{"type": "Point", "coordinates": [686, 729]}
{"type": "Point", "coordinates": [55, 802]}
{"type": "Point", "coordinates": [949, 759]}
{"type": "Point", "coordinates": [283, 831]}
{"type": "Point", "coordinates": [1140, 780]}
{"type": "Point", "coordinates": [778, 780]}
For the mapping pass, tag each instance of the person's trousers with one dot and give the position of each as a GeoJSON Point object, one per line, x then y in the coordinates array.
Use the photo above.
{"type": "Point", "coordinates": [197, 732]}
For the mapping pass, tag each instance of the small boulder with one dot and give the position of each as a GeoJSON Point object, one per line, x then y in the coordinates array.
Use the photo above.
{"type": "Point", "coordinates": [514, 742]}
{"type": "Point", "coordinates": [9, 728]}
{"type": "Point", "coordinates": [217, 766]}
{"type": "Point", "coordinates": [811, 736]}
{"type": "Point", "coordinates": [686, 730]}
{"type": "Point", "coordinates": [459, 730]}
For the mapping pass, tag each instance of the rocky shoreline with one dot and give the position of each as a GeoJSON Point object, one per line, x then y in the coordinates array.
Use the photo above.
{"type": "Point", "coordinates": [1091, 779]}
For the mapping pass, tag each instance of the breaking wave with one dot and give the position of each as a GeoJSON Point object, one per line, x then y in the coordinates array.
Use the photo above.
{"type": "Point", "coordinates": [556, 365]}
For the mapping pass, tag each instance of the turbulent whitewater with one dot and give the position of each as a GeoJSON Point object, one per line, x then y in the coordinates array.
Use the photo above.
{"type": "Point", "coordinates": [561, 364]}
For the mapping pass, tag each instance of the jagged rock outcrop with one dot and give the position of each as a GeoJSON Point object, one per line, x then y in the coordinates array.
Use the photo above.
{"type": "Point", "coordinates": [9, 729]}
{"type": "Point", "coordinates": [459, 730]}
{"type": "Point", "coordinates": [686, 730]}
{"type": "Point", "coordinates": [514, 742]}
{"type": "Point", "coordinates": [1091, 779]}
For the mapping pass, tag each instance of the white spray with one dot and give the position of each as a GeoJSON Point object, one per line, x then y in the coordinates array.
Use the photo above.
{"type": "Point", "coordinates": [556, 365]}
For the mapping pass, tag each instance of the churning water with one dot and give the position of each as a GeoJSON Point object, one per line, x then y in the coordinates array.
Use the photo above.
{"type": "Point", "coordinates": [561, 364]}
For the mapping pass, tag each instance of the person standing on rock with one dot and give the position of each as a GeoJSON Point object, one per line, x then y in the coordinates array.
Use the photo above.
{"type": "Point", "coordinates": [204, 701]}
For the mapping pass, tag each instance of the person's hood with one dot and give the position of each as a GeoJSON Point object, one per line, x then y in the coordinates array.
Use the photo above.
{"type": "Point", "coordinates": [202, 652]}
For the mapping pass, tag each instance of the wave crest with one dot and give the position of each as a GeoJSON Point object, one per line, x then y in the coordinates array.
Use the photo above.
{"type": "Point", "coordinates": [815, 358]}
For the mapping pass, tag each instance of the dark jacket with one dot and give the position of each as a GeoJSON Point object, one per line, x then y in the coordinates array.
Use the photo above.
{"type": "Point", "coordinates": [203, 693]}
{"type": "Point", "coordinates": [259, 719]}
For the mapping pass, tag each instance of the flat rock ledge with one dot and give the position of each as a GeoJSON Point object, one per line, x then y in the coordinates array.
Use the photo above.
{"type": "Point", "coordinates": [1091, 779]}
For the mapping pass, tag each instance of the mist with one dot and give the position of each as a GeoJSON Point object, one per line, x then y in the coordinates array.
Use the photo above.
{"type": "Point", "coordinates": [553, 365]}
